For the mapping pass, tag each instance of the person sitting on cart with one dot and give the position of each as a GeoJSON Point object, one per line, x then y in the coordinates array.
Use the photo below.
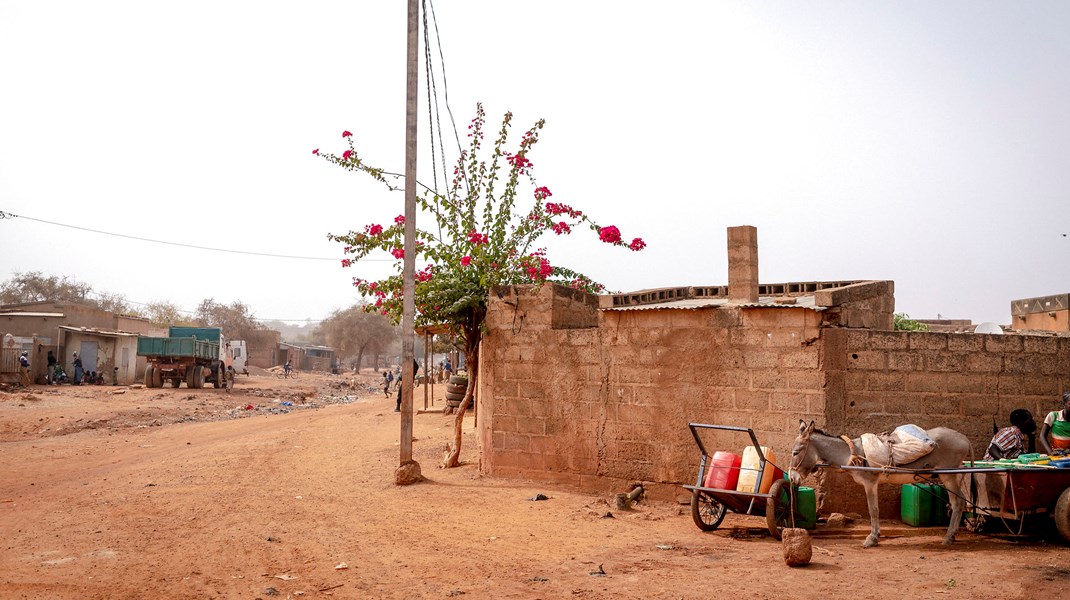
{"type": "Point", "coordinates": [1010, 442]}
{"type": "Point", "coordinates": [1057, 426]}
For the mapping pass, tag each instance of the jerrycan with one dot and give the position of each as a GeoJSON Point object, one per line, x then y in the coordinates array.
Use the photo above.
{"type": "Point", "coordinates": [753, 479]}
{"type": "Point", "coordinates": [723, 472]}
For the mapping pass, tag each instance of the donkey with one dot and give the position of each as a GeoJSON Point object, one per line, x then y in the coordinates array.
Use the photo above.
{"type": "Point", "coordinates": [814, 446]}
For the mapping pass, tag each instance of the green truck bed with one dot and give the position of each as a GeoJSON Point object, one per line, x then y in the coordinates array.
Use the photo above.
{"type": "Point", "coordinates": [178, 347]}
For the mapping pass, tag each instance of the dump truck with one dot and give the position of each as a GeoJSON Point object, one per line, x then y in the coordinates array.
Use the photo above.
{"type": "Point", "coordinates": [189, 354]}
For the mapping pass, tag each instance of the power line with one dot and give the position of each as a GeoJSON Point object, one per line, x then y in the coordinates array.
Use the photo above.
{"type": "Point", "coordinates": [9, 215]}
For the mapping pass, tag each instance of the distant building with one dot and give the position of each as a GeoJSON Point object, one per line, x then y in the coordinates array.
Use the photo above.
{"type": "Point", "coordinates": [1045, 313]}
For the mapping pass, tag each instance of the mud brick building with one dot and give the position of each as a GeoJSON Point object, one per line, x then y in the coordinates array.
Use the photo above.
{"type": "Point", "coordinates": [597, 391]}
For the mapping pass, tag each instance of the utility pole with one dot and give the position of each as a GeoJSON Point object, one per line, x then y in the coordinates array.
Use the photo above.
{"type": "Point", "coordinates": [408, 470]}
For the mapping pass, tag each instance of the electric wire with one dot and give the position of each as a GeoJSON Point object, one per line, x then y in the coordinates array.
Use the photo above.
{"type": "Point", "coordinates": [11, 215]}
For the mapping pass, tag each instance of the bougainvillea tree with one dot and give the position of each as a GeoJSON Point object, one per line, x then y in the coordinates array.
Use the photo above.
{"type": "Point", "coordinates": [482, 232]}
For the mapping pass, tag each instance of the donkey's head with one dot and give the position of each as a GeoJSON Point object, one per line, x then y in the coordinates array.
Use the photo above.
{"type": "Point", "coordinates": [804, 456]}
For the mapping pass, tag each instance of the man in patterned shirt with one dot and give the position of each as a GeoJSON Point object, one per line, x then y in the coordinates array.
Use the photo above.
{"type": "Point", "coordinates": [1010, 442]}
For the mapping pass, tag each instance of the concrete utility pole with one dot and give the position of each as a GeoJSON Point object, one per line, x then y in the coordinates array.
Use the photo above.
{"type": "Point", "coordinates": [408, 470]}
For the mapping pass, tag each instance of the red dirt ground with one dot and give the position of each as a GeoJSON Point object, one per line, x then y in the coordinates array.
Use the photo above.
{"type": "Point", "coordinates": [161, 493]}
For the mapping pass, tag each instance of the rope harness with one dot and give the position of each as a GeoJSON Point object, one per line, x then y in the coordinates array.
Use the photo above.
{"type": "Point", "coordinates": [857, 460]}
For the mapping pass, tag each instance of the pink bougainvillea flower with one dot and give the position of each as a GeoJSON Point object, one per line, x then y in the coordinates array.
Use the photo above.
{"type": "Point", "coordinates": [400, 219]}
{"type": "Point", "coordinates": [346, 134]}
{"type": "Point", "coordinates": [476, 238]}
{"type": "Point", "coordinates": [542, 193]}
{"type": "Point", "coordinates": [609, 235]}
{"type": "Point", "coordinates": [518, 161]}
{"type": "Point", "coordinates": [399, 253]}
{"type": "Point", "coordinates": [637, 244]}
{"type": "Point", "coordinates": [316, 151]}
{"type": "Point", "coordinates": [373, 285]}
{"type": "Point", "coordinates": [346, 262]}
{"type": "Point", "coordinates": [374, 229]}
{"type": "Point", "coordinates": [347, 154]}
{"type": "Point", "coordinates": [466, 260]}
{"type": "Point", "coordinates": [561, 228]}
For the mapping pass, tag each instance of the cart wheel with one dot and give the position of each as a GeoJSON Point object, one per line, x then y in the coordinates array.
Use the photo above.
{"type": "Point", "coordinates": [777, 511]}
{"type": "Point", "coordinates": [148, 376]}
{"type": "Point", "coordinates": [1061, 514]}
{"type": "Point", "coordinates": [706, 511]}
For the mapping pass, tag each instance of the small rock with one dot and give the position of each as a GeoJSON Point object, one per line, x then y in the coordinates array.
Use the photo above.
{"type": "Point", "coordinates": [608, 515]}
{"type": "Point", "coordinates": [797, 550]}
{"type": "Point", "coordinates": [538, 497]}
{"type": "Point", "coordinates": [340, 566]}
{"type": "Point", "coordinates": [599, 573]}
{"type": "Point", "coordinates": [271, 592]}
{"type": "Point", "coordinates": [837, 520]}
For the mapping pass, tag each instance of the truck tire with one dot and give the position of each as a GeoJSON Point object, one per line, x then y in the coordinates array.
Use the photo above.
{"type": "Point", "coordinates": [157, 378]}
{"type": "Point", "coordinates": [148, 376]}
{"type": "Point", "coordinates": [199, 376]}
{"type": "Point", "coordinates": [191, 382]}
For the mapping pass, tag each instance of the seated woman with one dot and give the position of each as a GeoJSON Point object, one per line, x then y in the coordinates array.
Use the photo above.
{"type": "Point", "coordinates": [1057, 425]}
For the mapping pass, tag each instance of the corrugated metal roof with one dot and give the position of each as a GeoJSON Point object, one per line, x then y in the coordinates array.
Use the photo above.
{"type": "Point", "coordinates": [30, 314]}
{"type": "Point", "coordinates": [92, 331]}
{"type": "Point", "coordinates": [696, 303]}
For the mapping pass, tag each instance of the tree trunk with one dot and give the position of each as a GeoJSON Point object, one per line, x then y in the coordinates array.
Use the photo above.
{"type": "Point", "coordinates": [473, 336]}
{"type": "Point", "coordinates": [360, 358]}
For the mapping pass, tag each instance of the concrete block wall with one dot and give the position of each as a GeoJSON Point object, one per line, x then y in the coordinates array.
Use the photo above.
{"type": "Point", "coordinates": [602, 406]}
{"type": "Point", "coordinates": [877, 380]}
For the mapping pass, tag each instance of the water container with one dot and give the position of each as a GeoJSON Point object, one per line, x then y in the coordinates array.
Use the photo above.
{"type": "Point", "coordinates": [751, 470]}
{"type": "Point", "coordinates": [723, 471]}
{"type": "Point", "coordinates": [805, 506]}
{"type": "Point", "coordinates": [924, 505]}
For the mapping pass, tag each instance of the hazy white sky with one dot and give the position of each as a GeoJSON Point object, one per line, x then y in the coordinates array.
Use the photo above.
{"type": "Point", "coordinates": [921, 142]}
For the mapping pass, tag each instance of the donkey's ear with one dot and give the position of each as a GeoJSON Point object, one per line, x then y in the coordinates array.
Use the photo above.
{"type": "Point", "coordinates": [802, 427]}
{"type": "Point", "coordinates": [810, 427]}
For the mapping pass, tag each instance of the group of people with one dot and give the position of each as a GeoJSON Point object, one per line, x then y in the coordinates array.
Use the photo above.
{"type": "Point", "coordinates": [55, 373]}
{"type": "Point", "coordinates": [1013, 441]}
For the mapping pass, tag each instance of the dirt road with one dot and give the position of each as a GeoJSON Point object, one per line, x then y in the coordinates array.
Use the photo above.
{"type": "Point", "coordinates": [160, 493]}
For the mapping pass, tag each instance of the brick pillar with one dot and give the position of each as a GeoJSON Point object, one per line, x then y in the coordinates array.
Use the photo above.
{"type": "Point", "coordinates": [743, 264]}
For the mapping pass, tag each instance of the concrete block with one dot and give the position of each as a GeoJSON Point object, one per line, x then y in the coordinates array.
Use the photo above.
{"type": "Point", "coordinates": [788, 402]}
{"type": "Point", "coordinates": [926, 382]}
{"type": "Point", "coordinates": [752, 400]}
{"type": "Point", "coordinates": [531, 390]}
{"type": "Point", "coordinates": [653, 319]}
{"type": "Point", "coordinates": [517, 371]}
{"type": "Point", "coordinates": [920, 340]}
{"type": "Point", "coordinates": [762, 318]}
{"type": "Point", "coordinates": [1010, 383]}
{"type": "Point", "coordinates": [965, 342]}
{"type": "Point", "coordinates": [904, 361]}
{"type": "Point", "coordinates": [857, 339]}
{"type": "Point", "coordinates": [1021, 363]}
{"type": "Point", "coordinates": [946, 363]}
{"type": "Point", "coordinates": [942, 406]}
{"type": "Point", "coordinates": [873, 360]}
{"type": "Point", "coordinates": [803, 358]}
{"type": "Point", "coordinates": [760, 359]}
{"type": "Point", "coordinates": [688, 318]}
{"type": "Point", "coordinates": [805, 379]}
{"type": "Point", "coordinates": [1003, 343]}
{"type": "Point", "coordinates": [517, 407]}
{"type": "Point", "coordinates": [767, 379]}
{"type": "Point", "coordinates": [864, 403]}
{"type": "Point", "coordinates": [767, 423]}
{"type": "Point", "coordinates": [531, 425]}
{"type": "Point", "coordinates": [724, 317]}
{"type": "Point", "coordinates": [907, 405]}
{"type": "Point", "coordinates": [887, 340]}
{"type": "Point", "coordinates": [971, 383]}
{"type": "Point", "coordinates": [980, 404]}
{"type": "Point", "coordinates": [1042, 386]}
{"type": "Point", "coordinates": [984, 362]}
{"type": "Point", "coordinates": [856, 381]}
{"type": "Point", "coordinates": [892, 382]}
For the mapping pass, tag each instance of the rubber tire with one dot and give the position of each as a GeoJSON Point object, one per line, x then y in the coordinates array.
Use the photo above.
{"type": "Point", "coordinates": [777, 513]}
{"type": "Point", "coordinates": [706, 511]}
{"type": "Point", "coordinates": [452, 388]}
{"type": "Point", "coordinates": [191, 381]}
{"type": "Point", "coordinates": [459, 380]}
{"type": "Point", "coordinates": [1061, 515]}
{"type": "Point", "coordinates": [199, 376]}
{"type": "Point", "coordinates": [157, 378]}
{"type": "Point", "coordinates": [148, 376]}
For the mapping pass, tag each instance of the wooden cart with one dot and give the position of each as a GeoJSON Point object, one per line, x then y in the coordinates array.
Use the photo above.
{"type": "Point", "coordinates": [709, 505]}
